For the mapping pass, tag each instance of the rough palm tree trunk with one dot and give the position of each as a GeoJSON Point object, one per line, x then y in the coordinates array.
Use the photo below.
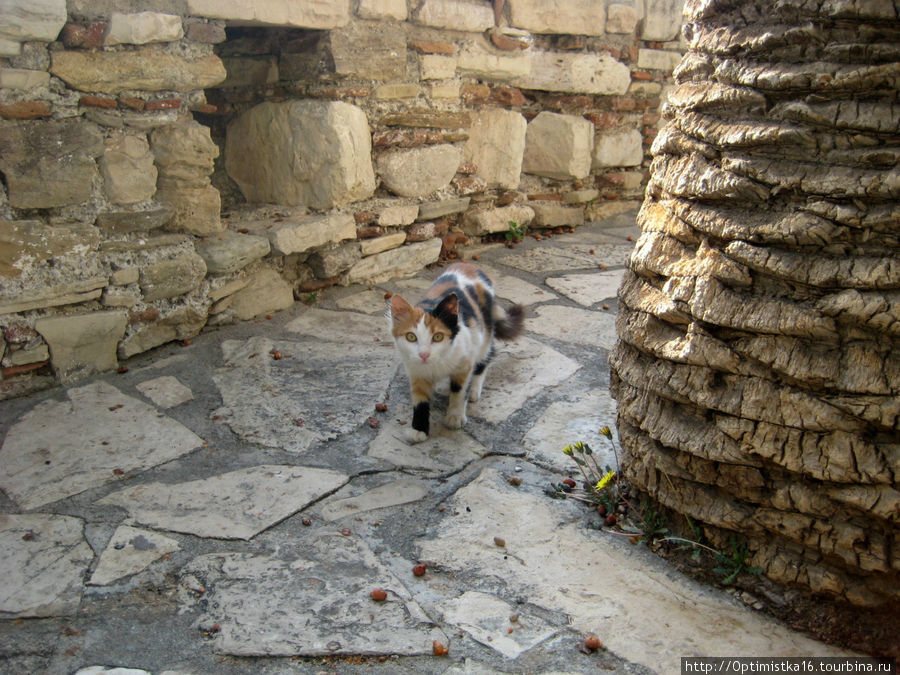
{"type": "Point", "coordinates": [758, 366]}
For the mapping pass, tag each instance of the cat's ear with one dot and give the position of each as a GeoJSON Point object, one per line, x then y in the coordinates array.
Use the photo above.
{"type": "Point", "coordinates": [449, 305]}
{"type": "Point", "coordinates": [400, 308]}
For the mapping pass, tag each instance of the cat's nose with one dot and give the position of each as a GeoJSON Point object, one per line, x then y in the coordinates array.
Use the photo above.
{"type": "Point", "coordinates": [424, 356]}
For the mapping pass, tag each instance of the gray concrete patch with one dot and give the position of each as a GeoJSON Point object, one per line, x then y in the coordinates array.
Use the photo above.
{"type": "Point", "coordinates": [42, 561]}
{"type": "Point", "coordinates": [61, 448]}
{"type": "Point", "coordinates": [234, 505]}
{"type": "Point", "coordinates": [566, 422]}
{"type": "Point", "coordinates": [130, 550]}
{"type": "Point", "coordinates": [445, 450]}
{"type": "Point", "coordinates": [488, 620]}
{"type": "Point", "coordinates": [641, 609]}
{"type": "Point", "coordinates": [312, 603]}
{"type": "Point", "coordinates": [572, 324]}
{"type": "Point", "coordinates": [165, 391]}
{"type": "Point", "coordinates": [588, 289]}
{"type": "Point", "coordinates": [279, 402]}
{"type": "Point", "coordinates": [396, 492]}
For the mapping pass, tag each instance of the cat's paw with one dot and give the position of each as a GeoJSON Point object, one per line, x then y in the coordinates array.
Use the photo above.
{"type": "Point", "coordinates": [454, 420]}
{"type": "Point", "coordinates": [474, 395]}
{"type": "Point", "coordinates": [412, 436]}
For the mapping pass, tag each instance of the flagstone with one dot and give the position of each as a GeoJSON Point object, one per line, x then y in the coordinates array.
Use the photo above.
{"type": "Point", "coordinates": [42, 561]}
{"type": "Point", "coordinates": [368, 302]}
{"type": "Point", "coordinates": [61, 448]}
{"type": "Point", "coordinates": [129, 551]}
{"type": "Point", "coordinates": [315, 392]}
{"type": "Point", "coordinates": [573, 324]}
{"type": "Point", "coordinates": [518, 371]}
{"type": "Point", "coordinates": [624, 594]}
{"type": "Point", "coordinates": [569, 421]}
{"type": "Point", "coordinates": [235, 505]}
{"type": "Point", "coordinates": [326, 324]}
{"type": "Point", "coordinates": [486, 618]}
{"type": "Point", "coordinates": [588, 289]}
{"type": "Point", "coordinates": [390, 494]}
{"type": "Point", "coordinates": [574, 257]}
{"type": "Point", "coordinates": [165, 391]}
{"type": "Point", "coordinates": [312, 602]}
{"type": "Point", "coordinates": [516, 290]}
{"type": "Point", "coordinates": [445, 450]}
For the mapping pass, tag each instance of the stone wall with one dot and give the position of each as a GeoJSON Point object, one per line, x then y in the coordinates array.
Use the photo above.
{"type": "Point", "coordinates": [206, 161]}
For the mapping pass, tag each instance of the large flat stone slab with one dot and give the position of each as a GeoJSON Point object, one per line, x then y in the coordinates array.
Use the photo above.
{"type": "Point", "coordinates": [486, 618]}
{"type": "Point", "coordinates": [565, 258]}
{"type": "Point", "coordinates": [311, 603]}
{"type": "Point", "coordinates": [235, 505]}
{"type": "Point", "coordinates": [165, 391]}
{"type": "Point", "coordinates": [129, 551]}
{"type": "Point", "coordinates": [569, 421]}
{"type": "Point", "coordinates": [348, 327]}
{"type": "Point", "coordinates": [519, 370]}
{"type": "Point", "coordinates": [42, 561]}
{"type": "Point", "coordinates": [316, 392]}
{"type": "Point", "coordinates": [640, 608]}
{"type": "Point", "coordinates": [515, 290]}
{"type": "Point", "coordinates": [445, 450]}
{"type": "Point", "coordinates": [61, 448]}
{"type": "Point", "coordinates": [393, 493]}
{"type": "Point", "coordinates": [573, 324]}
{"type": "Point", "coordinates": [588, 289]}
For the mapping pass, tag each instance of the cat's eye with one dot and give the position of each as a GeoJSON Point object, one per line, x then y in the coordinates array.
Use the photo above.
{"type": "Point", "coordinates": [438, 337]}
{"type": "Point", "coordinates": [411, 337]}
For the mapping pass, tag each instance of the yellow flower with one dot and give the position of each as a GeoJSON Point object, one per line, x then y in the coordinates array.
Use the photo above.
{"type": "Point", "coordinates": [567, 450]}
{"type": "Point", "coordinates": [606, 432]}
{"type": "Point", "coordinates": [603, 482]}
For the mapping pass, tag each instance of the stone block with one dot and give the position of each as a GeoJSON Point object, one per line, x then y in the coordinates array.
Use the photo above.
{"type": "Point", "coordinates": [315, 153]}
{"type": "Point", "coordinates": [558, 146]}
{"type": "Point", "coordinates": [470, 16]}
{"type": "Point", "coordinates": [428, 119]}
{"type": "Point", "coordinates": [496, 146]}
{"type": "Point", "coordinates": [38, 20]}
{"type": "Point", "coordinates": [250, 71]}
{"type": "Point", "coordinates": [621, 19]}
{"type": "Point", "coordinates": [171, 278]}
{"type": "Point", "coordinates": [123, 222]}
{"type": "Point", "coordinates": [400, 214]}
{"type": "Point", "coordinates": [26, 242]}
{"type": "Point", "coordinates": [383, 9]}
{"type": "Point", "coordinates": [658, 59]}
{"type": "Point", "coordinates": [405, 261]}
{"type": "Point", "coordinates": [183, 148]}
{"type": "Point", "coordinates": [573, 17]}
{"type": "Point", "coordinates": [83, 344]}
{"type": "Point", "coordinates": [71, 293]}
{"type": "Point", "coordinates": [49, 163]}
{"type": "Point", "coordinates": [386, 92]}
{"type": "Point", "coordinates": [437, 67]}
{"type": "Point", "coordinates": [478, 60]}
{"type": "Point", "coordinates": [298, 234]}
{"type": "Point", "coordinates": [145, 68]}
{"type": "Point", "coordinates": [266, 292]}
{"type": "Point", "coordinates": [419, 172]}
{"type": "Point", "coordinates": [444, 207]}
{"type": "Point", "coordinates": [369, 51]}
{"type": "Point", "coordinates": [556, 215]}
{"type": "Point", "coordinates": [662, 20]}
{"type": "Point", "coordinates": [129, 174]}
{"type": "Point", "coordinates": [576, 73]}
{"type": "Point", "coordinates": [477, 223]}
{"type": "Point", "coordinates": [142, 27]}
{"type": "Point", "coordinates": [445, 91]}
{"type": "Point", "coordinates": [195, 210]}
{"type": "Point", "coordinates": [319, 14]}
{"type": "Point", "coordinates": [124, 276]}
{"type": "Point", "coordinates": [228, 252]}
{"type": "Point", "coordinates": [23, 78]}
{"type": "Point", "coordinates": [618, 147]}
{"type": "Point", "coordinates": [183, 323]}
{"type": "Point", "coordinates": [333, 260]}
{"type": "Point", "coordinates": [381, 244]}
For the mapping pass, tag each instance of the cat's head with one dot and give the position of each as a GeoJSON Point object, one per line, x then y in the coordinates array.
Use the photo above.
{"type": "Point", "coordinates": [422, 336]}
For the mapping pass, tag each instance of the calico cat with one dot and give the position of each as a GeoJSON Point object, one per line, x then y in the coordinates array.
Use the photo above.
{"type": "Point", "coordinates": [450, 333]}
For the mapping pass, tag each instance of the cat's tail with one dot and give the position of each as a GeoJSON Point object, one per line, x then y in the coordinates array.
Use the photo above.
{"type": "Point", "coordinates": [508, 322]}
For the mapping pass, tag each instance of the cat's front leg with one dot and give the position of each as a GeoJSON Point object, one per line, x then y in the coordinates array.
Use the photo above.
{"type": "Point", "coordinates": [421, 399]}
{"type": "Point", "coordinates": [456, 408]}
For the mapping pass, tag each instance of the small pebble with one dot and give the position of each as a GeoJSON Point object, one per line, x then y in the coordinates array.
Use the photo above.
{"type": "Point", "coordinates": [500, 541]}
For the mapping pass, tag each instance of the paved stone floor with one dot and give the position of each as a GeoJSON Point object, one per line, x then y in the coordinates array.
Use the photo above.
{"type": "Point", "coordinates": [220, 510]}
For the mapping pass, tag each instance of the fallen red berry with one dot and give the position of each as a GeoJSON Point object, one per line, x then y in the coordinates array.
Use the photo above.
{"type": "Point", "coordinates": [379, 595]}
{"type": "Point", "coordinates": [419, 569]}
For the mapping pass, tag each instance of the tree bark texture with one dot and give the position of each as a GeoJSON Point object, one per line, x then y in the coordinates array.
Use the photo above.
{"type": "Point", "coordinates": [757, 371]}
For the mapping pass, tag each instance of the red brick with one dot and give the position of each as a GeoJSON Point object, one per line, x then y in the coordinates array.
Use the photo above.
{"type": "Point", "coordinates": [164, 104]}
{"type": "Point", "coordinates": [430, 47]}
{"type": "Point", "coordinates": [133, 103]}
{"type": "Point", "coordinates": [205, 108]}
{"type": "Point", "coordinates": [97, 101]}
{"type": "Point", "coordinates": [365, 217]}
{"type": "Point", "coordinates": [650, 119]}
{"type": "Point", "coordinates": [369, 232]}
{"type": "Point", "coordinates": [613, 51]}
{"type": "Point", "coordinates": [421, 232]}
{"type": "Point", "coordinates": [508, 96]}
{"type": "Point", "coordinates": [546, 196]}
{"type": "Point", "coordinates": [507, 197]}
{"type": "Point", "coordinates": [624, 104]}
{"type": "Point", "coordinates": [83, 35]}
{"type": "Point", "coordinates": [12, 371]}
{"type": "Point", "coordinates": [143, 315]}
{"type": "Point", "coordinates": [314, 285]}
{"type": "Point", "coordinates": [25, 110]}
{"type": "Point", "coordinates": [569, 103]}
{"type": "Point", "coordinates": [604, 119]}
{"type": "Point", "coordinates": [641, 75]}
{"type": "Point", "coordinates": [472, 93]}
{"type": "Point", "coordinates": [507, 43]}
{"type": "Point", "coordinates": [19, 334]}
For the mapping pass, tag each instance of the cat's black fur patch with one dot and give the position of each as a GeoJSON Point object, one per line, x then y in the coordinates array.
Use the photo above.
{"type": "Point", "coordinates": [421, 415]}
